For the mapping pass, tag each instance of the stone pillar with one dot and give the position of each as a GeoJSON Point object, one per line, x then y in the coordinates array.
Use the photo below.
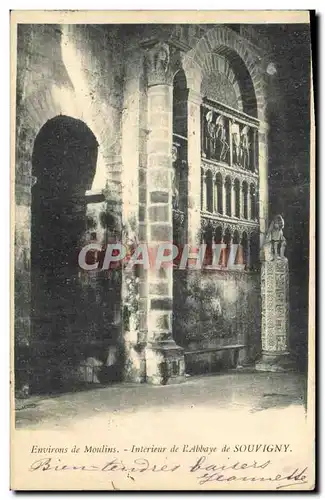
{"type": "Point", "coordinates": [275, 313]}
{"type": "Point", "coordinates": [230, 143]}
{"type": "Point", "coordinates": [134, 291]}
{"type": "Point", "coordinates": [194, 169]}
{"type": "Point", "coordinates": [249, 207]}
{"type": "Point", "coordinates": [242, 201]}
{"type": "Point", "coordinates": [164, 359]}
{"type": "Point", "coordinates": [239, 200]}
{"type": "Point", "coordinates": [215, 197]}
{"type": "Point", "coordinates": [263, 179]}
{"type": "Point", "coordinates": [212, 195]}
{"type": "Point", "coordinates": [224, 197]}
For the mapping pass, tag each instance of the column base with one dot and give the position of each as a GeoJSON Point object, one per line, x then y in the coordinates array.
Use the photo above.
{"type": "Point", "coordinates": [164, 363]}
{"type": "Point", "coordinates": [275, 362]}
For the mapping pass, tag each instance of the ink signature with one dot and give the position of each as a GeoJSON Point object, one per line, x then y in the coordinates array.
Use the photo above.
{"type": "Point", "coordinates": [204, 471]}
{"type": "Point", "coordinates": [236, 472]}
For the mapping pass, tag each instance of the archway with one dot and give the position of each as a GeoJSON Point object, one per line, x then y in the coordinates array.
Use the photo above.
{"type": "Point", "coordinates": [63, 162]}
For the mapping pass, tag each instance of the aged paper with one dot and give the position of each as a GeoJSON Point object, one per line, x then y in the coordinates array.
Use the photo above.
{"type": "Point", "coordinates": [162, 170]}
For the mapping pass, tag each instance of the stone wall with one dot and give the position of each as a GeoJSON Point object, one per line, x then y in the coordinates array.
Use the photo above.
{"type": "Point", "coordinates": [217, 308]}
{"type": "Point", "coordinates": [73, 71]}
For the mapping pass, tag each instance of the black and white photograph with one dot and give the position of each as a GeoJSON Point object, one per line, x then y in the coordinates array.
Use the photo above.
{"type": "Point", "coordinates": [162, 243]}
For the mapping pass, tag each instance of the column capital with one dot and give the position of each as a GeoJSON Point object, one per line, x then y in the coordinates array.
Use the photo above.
{"type": "Point", "coordinates": [162, 61]}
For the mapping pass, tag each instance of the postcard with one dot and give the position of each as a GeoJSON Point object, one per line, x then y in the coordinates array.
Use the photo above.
{"type": "Point", "coordinates": [163, 239]}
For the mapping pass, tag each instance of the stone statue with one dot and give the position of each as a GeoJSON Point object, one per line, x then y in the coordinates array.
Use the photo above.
{"type": "Point", "coordinates": [236, 143]}
{"type": "Point", "coordinates": [275, 242]}
{"type": "Point", "coordinates": [210, 135]}
{"type": "Point", "coordinates": [162, 57]}
{"type": "Point", "coordinates": [244, 147]}
{"type": "Point", "coordinates": [221, 137]}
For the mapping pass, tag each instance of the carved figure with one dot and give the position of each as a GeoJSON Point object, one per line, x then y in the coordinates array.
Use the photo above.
{"type": "Point", "coordinates": [158, 63]}
{"type": "Point", "coordinates": [244, 147]}
{"type": "Point", "coordinates": [221, 137]}
{"type": "Point", "coordinates": [210, 135]}
{"type": "Point", "coordinates": [275, 241]}
{"type": "Point", "coordinates": [162, 57]}
{"type": "Point", "coordinates": [236, 143]}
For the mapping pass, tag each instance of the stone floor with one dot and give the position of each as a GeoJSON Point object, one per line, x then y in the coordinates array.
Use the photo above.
{"type": "Point", "coordinates": [247, 391]}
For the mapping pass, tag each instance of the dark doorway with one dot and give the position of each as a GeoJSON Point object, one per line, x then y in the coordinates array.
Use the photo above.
{"type": "Point", "coordinates": [64, 162]}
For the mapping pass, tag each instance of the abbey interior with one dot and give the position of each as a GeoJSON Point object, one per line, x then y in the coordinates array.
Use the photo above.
{"type": "Point", "coordinates": [151, 133]}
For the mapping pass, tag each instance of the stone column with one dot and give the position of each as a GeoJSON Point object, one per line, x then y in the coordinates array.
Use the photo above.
{"type": "Point", "coordinates": [134, 290]}
{"type": "Point", "coordinates": [249, 207]}
{"type": "Point", "coordinates": [224, 197]}
{"type": "Point", "coordinates": [194, 169]}
{"type": "Point", "coordinates": [230, 143]}
{"type": "Point", "coordinates": [263, 179]}
{"type": "Point", "coordinates": [212, 195]}
{"type": "Point", "coordinates": [215, 198]}
{"type": "Point", "coordinates": [242, 200]}
{"type": "Point", "coordinates": [164, 359]}
{"type": "Point", "coordinates": [275, 313]}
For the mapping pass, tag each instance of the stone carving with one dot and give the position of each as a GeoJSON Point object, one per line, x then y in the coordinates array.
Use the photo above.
{"type": "Point", "coordinates": [221, 135]}
{"type": "Point", "coordinates": [275, 241]}
{"type": "Point", "coordinates": [159, 67]}
{"type": "Point", "coordinates": [215, 138]}
{"type": "Point", "coordinates": [275, 311]}
{"type": "Point", "coordinates": [236, 144]}
{"type": "Point", "coordinates": [210, 136]}
{"type": "Point", "coordinates": [245, 147]}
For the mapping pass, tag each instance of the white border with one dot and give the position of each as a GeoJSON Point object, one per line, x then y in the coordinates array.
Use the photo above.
{"type": "Point", "coordinates": [5, 198]}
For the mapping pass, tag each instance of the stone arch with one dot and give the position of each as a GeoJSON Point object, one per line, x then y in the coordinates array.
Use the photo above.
{"type": "Point", "coordinates": [218, 234]}
{"type": "Point", "coordinates": [67, 90]}
{"type": "Point", "coordinates": [236, 237]}
{"type": "Point", "coordinates": [227, 238]}
{"type": "Point", "coordinates": [222, 41]}
{"type": "Point", "coordinates": [59, 142]}
{"type": "Point", "coordinates": [220, 81]}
